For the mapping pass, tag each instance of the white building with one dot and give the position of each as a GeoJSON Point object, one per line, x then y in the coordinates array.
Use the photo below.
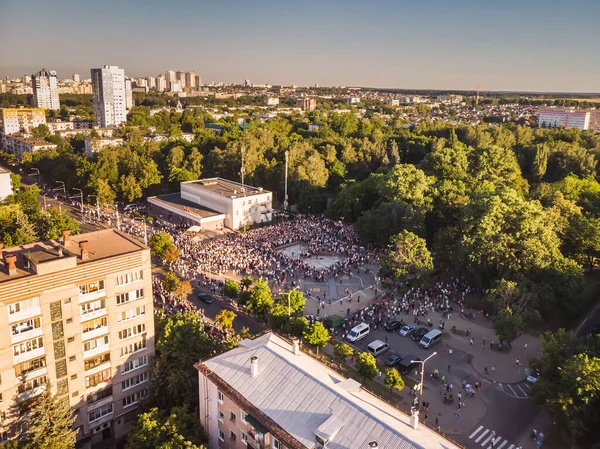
{"type": "Point", "coordinates": [5, 184]}
{"type": "Point", "coordinates": [190, 79]}
{"type": "Point", "coordinates": [21, 120]}
{"type": "Point", "coordinates": [215, 203]}
{"type": "Point", "coordinates": [21, 145]}
{"type": "Point", "coordinates": [271, 101]}
{"type": "Point", "coordinates": [175, 86]}
{"type": "Point", "coordinates": [170, 77]}
{"type": "Point", "coordinates": [569, 118]}
{"type": "Point", "coordinates": [151, 82]}
{"type": "Point", "coordinates": [110, 97]}
{"type": "Point", "coordinates": [161, 83]}
{"type": "Point", "coordinates": [59, 125]}
{"type": "Point", "coordinates": [75, 77]}
{"type": "Point", "coordinates": [353, 100]}
{"type": "Point", "coordinates": [128, 95]}
{"type": "Point", "coordinates": [392, 102]}
{"type": "Point", "coordinates": [45, 90]}
{"type": "Point", "coordinates": [95, 145]}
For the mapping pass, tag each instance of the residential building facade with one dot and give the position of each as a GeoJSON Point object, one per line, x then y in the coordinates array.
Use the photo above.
{"type": "Point", "coordinates": [45, 90]}
{"type": "Point", "coordinates": [93, 146]}
{"type": "Point", "coordinates": [19, 145]}
{"type": "Point", "coordinates": [563, 117]}
{"type": "Point", "coordinates": [5, 184]}
{"type": "Point", "coordinates": [21, 120]}
{"type": "Point", "coordinates": [78, 313]}
{"type": "Point", "coordinates": [306, 104]}
{"type": "Point", "coordinates": [109, 96]}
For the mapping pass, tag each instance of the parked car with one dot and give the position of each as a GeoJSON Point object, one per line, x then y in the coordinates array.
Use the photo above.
{"type": "Point", "coordinates": [533, 376]}
{"type": "Point", "coordinates": [205, 297]}
{"type": "Point", "coordinates": [393, 360]}
{"type": "Point", "coordinates": [378, 347]}
{"type": "Point", "coordinates": [419, 333]}
{"type": "Point", "coordinates": [406, 330]}
{"type": "Point", "coordinates": [358, 332]}
{"type": "Point", "coordinates": [393, 325]}
{"type": "Point", "coordinates": [408, 364]}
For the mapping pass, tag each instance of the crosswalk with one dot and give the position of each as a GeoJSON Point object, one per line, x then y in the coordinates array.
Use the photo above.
{"type": "Point", "coordinates": [485, 438]}
{"type": "Point", "coordinates": [518, 391]}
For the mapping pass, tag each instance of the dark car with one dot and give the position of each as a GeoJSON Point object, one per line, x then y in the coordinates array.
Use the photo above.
{"type": "Point", "coordinates": [205, 297]}
{"type": "Point", "coordinates": [393, 325]}
{"type": "Point", "coordinates": [408, 364]}
{"type": "Point", "coordinates": [419, 333]}
{"type": "Point", "coordinates": [393, 360]}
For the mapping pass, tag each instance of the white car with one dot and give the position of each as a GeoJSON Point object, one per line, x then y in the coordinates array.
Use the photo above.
{"type": "Point", "coordinates": [406, 330]}
{"type": "Point", "coordinates": [533, 376]}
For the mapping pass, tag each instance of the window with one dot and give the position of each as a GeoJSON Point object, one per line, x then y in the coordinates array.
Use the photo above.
{"type": "Point", "coordinates": [134, 381]}
{"type": "Point", "coordinates": [93, 306]}
{"type": "Point", "coordinates": [92, 287]}
{"type": "Point", "coordinates": [131, 313]}
{"type": "Point", "coordinates": [99, 395]}
{"type": "Point", "coordinates": [231, 416]}
{"type": "Point", "coordinates": [134, 398]}
{"type": "Point", "coordinates": [100, 412]}
{"type": "Point", "coordinates": [133, 347]}
{"type": "Point", "coordinates": [29, 366]}
{"type": "Point", "coordinates": [243, 416]}
{"type": "Point", "coordinates": [130, 277]}
{"type": "Point", "coordinates": [232, 435]}
{"type": "Point", "coordinates": [31, 384]}
{"type": "Point", "coordinates": [243, 436]}
{"type": "Point", "coordinates": [132, 331]}
{"type": "Point", "coordinates": [23, 306]}
{"type": "Point", "coordinates": [69, 320]}
{"type": "Point", "coordinates": [96, 361]}
{"type": "Point", "coordinates": [132, 365]}
{"type": "Point", "coordinates": [26, 326]}
{"type": "Point", "coordinates": [98, 378]}
{"type": "Point", "coordinates": [28, 346]}
{"type": "Point", "coordinates": [221, 436]}
{"type": "Point", "coordinates": [276, 443]}
{"type": "Point", "coordinates": [220, 396]}
{"type": "Point", "coordinates": [72, 358]}
{"type": "Point", "coordinates": [221, 416]}
{"type": "Point", "coordinates": [96, 342]}
{"type": "Point", "coordinates": [130, 296]}
{"type": "Point", "coordinates": [92, 325]}
{"type": "Point", "coordinates": [70, 339]}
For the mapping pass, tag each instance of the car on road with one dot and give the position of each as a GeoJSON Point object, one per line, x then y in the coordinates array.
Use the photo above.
{"type": "Point", "coordinates": [393, 360]}
{"type": "Point", "coordinates": [205, 297]}
{"type": "Point", "coordinates": [406, 330]}
{"type": "Point", "coordinates": [419, 333]}
{"type": "Point", "coordinates": [408, 364]}
{"type": "Point", "coordinates": [393, 325]}
{"type": "Point", "coordinates": [533, 376]}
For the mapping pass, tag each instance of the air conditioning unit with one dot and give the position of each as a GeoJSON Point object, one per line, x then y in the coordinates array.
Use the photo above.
{"type": "Point", "coordinates": [100, 428]}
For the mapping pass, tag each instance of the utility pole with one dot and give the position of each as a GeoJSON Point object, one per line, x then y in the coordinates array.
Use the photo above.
{"type": "Point", "coordinates": [81, 197]}
{"type": "Point", "coordinates": [117, 209]}
{"type": "Point", "coordinates": [242, 172]}
{"type": "Point", "coordinates": [285, 198]}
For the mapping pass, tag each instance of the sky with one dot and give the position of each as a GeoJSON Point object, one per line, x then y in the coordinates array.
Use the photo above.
{"type": "Point", "coordinates": [524, 45]}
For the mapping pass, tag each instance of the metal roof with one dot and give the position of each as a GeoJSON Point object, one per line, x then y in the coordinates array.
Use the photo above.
{"type": "Point", "coordinates": [301, 395]}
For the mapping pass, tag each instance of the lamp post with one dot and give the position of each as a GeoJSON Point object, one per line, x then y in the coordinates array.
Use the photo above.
{"type": "Point", "coordinates": [288, 298]}
{"type": "Point", "coordinates": [97, 205]}
{"type": "Point", "coordinates": [416, 412]}
{"type": "Point", "coordinates": [145, 233]}
{"type": "Point", "coordinates": [81, 197]}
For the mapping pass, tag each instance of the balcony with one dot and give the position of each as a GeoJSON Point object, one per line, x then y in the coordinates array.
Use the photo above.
{"type": "Point", "coordinates": [31, 393]}
{"type": "Point", "coordinates": [90, 296]}
{"type": "Point", "coordinates": [26, 335]}
{"type": "Point", "coordinates": [29, 355]}
{"type": "Point", "coordinates": [86, 316]}
{"type": "Point", "coordinates": [96, 351]}
{"type": "Point", "coordinates": [256, 435]}
{"type": "Point", "coordinates": [25, 314]}
{"type": "Point", "coordinates": [254, 442]}
{"type": "Point", "coordinates": [95, 333]}
{"type": "Point", "coordinates": [98, 368]}
{"type": "Point", "coordinates": [33, 374]}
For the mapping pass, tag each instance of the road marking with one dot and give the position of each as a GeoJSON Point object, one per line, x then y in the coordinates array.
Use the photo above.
{"type": "Point", "coordinates": [482, 435]}
{"type": "Point", "coordinates": [527, 386]}
{"type": "Point", "coordinates": [475, 433]}
{"type": "Point", "coordinates": [523, 391]}
{"type": "Point", "coordinates": [511, 446]}
{"type": "Point", "coordinates": [503, 443]}
{"type": "Point", "coordinates": [486, 440]}
{"type": "Point", "coordinates": [511, 389]}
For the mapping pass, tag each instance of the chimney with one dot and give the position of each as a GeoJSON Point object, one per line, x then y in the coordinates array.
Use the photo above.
{"type": "Point", "coordinates": [66, 233]}
{"type": "Point", "coordinates": [59, 250]}
{"type": "Point", "coordinates": [254, 366]}
{"type": "Point", "coordinates": [83, 247]}
{"type": "Point", "coordinates": [296, 343]}
{"type": "Point", "coordinates": [9, 261]}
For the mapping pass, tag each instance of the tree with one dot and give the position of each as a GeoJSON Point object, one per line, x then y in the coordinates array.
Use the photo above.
{"type": "Point", "coordinates": [583, 240]}
{"type": "Point", "coordinates": [366, 365]}
{"type": "Point", "coordinates": [49, 423]}
{"type": "Point", "coordinates": [15, 227]}
{"type": "Point", "coordinates": [15, 181]}
{"type": "Point", "coordinates": [341, 352]}
{"type": "Point", "coordinates": [507, 326]}
{"type": "Point", "coordinates": [177, 430]}
{"type": "Point", "coordinates": [297, 325]}
{"type": "Point", "coordinates": [159, 243]}
{"type": "Point", "coordinates": [231, 289]}
{"type": "Point", "coordinates": [54, 221]}
{"type": "Point", "coordinates": [170, 282]}
{"type": "Point", "coordinates": [245, 283]}
{"type": "Point", "coordinates": [183, 290]}
{"type": "Point", "coordinates": [260, 301]}
{"type": "Point", "coordinates": [393, 380]}
{"type": "Point", "coordinates": [293, 301]}
{"type": "Point", "coordinates": [224, 319]}
{"type": "Point", "coordinates": [105, 193]}
{"type": "Point", "coordinates": [408, 256]}
{"type": "Point", "coordinates": [408, 183]}
{"type": "Point", "coordinates": [40, 132]}
{"type": "Point", "coordinates": [130, 189]}
{"type": "Point", "coordinates": [172, 253]}
{"type": "Point", "coordinates": [316, 335]}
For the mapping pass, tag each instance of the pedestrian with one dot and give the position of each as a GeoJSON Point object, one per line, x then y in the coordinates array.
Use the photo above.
{"type": "Point", "coordinates": [448, 368]}
{"type": "Point", "coordinates": [493, 370]}
{"type": "Point", "coordinates": [449, 354]}
{"type": "Point", "coordinates": [485, 370]}
{"type": "Point", "coordinates": [471, 341]}
{"type": "Point", "coordinates": [438, 429]}
{"type": "Point", "coordinates": [533, 434]}
{"type": "Point", "coordinates": [459, 405]}
{"type": "Point", "coordinates": [386, 339]}
{"type": "Point", "coordinates": [525, 347]}
{"type": "Point", "coordinates": [517, 362]}
{"type": "Point", "coordinates": [437, 421]}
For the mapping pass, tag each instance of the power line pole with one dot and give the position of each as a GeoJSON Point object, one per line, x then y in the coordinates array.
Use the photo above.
{"type": "Point", "coordinates": [285, 199]}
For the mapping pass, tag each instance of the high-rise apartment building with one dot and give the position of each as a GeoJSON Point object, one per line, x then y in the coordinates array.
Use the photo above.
{"type": "Point", "coordinates": [595, 120]}
{"type": "Point", "coordinates": [170, 78]}
{"type": "Point", "coordinates": [266, 393]}
{"type": "Point", "coordinates": [45, 90]}
{"type": "Point", "coordinates": [198, 81]}
{"type": "Point", "coordinates": [76, 78]}
{"type": "Point", "coordinates": [109, 95]}
{"type": "Point", "coordinates": [20, 121]}
{"type": "Point", "coordinates": [151, 82]}
{"type": "Point", "coordinates": [306, 104]}
{"type": "Point", "coordinates": [161, 83]}
{"type": "Point", "coordinates": [190, 80]}
{"type": "Point", "coordinates": [128, 95]}
{"type": "Point", "coordinates": [180, 76]}
{"type": "Point", "coordinates": [78, 313]}
{"type": "Point", "coordinates": [569, 118]}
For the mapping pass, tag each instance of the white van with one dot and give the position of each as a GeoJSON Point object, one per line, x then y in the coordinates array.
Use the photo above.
{"type": "Point", "coordinates": [377, 347]}
{"type": "Point", "coordinates": [359, 332]}
{"type": "Point", "coordinates": [431, 338]}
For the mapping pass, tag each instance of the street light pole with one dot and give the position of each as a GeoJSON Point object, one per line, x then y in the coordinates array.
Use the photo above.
{"type": "Point", "coordinates": [97, 205]}
{"type": "Point", "coordinates": [416, 412]}
{"type": "Point", "coordinates": [81, 196]}
{"type": "Point", "coordinates": [117, 209]}
{"type": "Point", "coordinates": [288, 298]}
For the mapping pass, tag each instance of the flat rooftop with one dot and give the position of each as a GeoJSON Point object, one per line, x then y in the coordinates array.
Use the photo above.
{"type": "Point", "coordinates": [174, 200]}
{"type": "Point", "coordinates": [101, 245]}
{"type": "Point", "coordinates": [226, 188]}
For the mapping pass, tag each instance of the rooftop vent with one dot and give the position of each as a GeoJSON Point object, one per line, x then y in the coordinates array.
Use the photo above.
{"type": "Point", "coordinates": [84, 252]}
{"type": "Point", "coordinates": [254, 366]}
{"type": "Point", "coordinates": [9, 262]}
{"type": "Point", "coordinates": [328, 430]}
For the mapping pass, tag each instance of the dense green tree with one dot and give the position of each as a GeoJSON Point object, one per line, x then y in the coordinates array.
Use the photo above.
{"type": "Point", "coordinates": [494, 167]}
{"type": "Point", "coordinates": [582, 240]}
{"type": "Point", "coordinates": [54, 221]}
{"type": "Point", "coordinates": [170, 282]}
{"type": "Point", "coordinates": [366, 365]}
{"type": "Point", "coordinates": [408, 257]}
{"type": "Point", "coordinates": [297, 326]}
{"type": "Point", "coordinates": [393, 380]}
{"type": "Point", "coordinates": [231, 289]}
{"type": "Point", "coordinates": [159, 243]}
{"type": "Point", "coordinates": [224, 319]}
{"type": "Point", "coordinates": [130, 188]}
{"type": "Point", "coordinates": [40, 132]}
{"type": "Point", "coordinates": [261, 300]}
{"type": "Point", "coordinates": [105, 193]}
{"type": "Point", "coordinates": [409, 184]}
{"type": "Point", "coordinates": [316, 335]}
{"type": "Point", "coordinates": [293, 301]}
{"type": "Point", "coordinates": [15, 227]}
{"type": "Point", "coordinates": [507, 326]}
{"type": "Point", "coordinates": [341, 352]}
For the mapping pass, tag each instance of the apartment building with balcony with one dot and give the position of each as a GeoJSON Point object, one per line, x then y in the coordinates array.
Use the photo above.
{"type": "Point", "coordinates": [267, 394]}
{"type": "Point", "coordinates": [78, 313]}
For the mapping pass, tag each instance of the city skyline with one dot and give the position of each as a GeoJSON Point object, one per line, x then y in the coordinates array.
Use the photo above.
{"type": "Point", "coordinates": [438, 45]}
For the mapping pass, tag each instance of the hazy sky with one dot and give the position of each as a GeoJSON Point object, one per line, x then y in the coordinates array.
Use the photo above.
{"type": "Point", "coordinates": [535, 45]}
